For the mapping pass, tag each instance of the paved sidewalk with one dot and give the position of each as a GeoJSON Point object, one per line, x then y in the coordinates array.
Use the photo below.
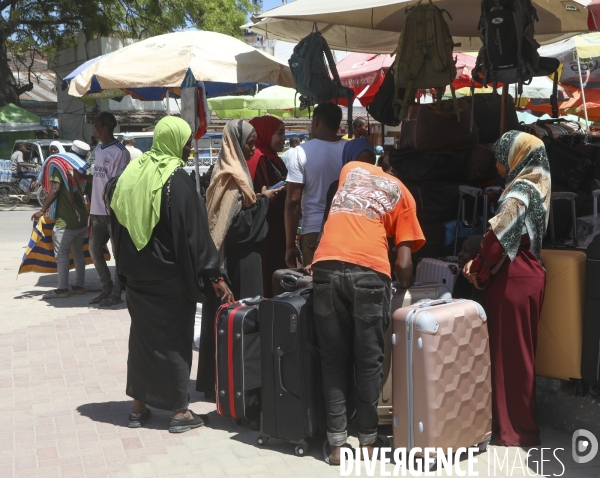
{"type": "Point", "coordinates": [63, 413]}
{"type": "Point", "coordinates": [63, 408]}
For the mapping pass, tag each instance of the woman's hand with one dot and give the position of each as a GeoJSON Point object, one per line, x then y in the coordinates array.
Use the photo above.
{"type": "Point", "coordinates": [271, 193]}
{"type": "Point", "coordinates": [223, 292]}
{"type": "Point", "coordinates": [470, 276]}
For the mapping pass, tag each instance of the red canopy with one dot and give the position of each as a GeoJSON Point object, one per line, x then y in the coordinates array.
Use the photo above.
{"type": "Point", "coordinates": [594, 15]}
{"type": "Point", "coordinates": [364, 73]}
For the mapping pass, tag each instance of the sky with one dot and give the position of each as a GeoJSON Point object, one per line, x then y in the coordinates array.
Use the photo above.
{"type": "Point", "coordinates": [268, 4]}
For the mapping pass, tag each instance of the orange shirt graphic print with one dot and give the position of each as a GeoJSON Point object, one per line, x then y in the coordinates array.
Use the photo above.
{"type": "Point", "coordinates": [366, 194]}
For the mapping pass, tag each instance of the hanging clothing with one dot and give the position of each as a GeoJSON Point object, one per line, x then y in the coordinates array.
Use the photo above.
{"type": "Point", "coordinates": [525, 204]}
{"type": "Point", "coordinates": [137, 198]}
{"type": "Point", "coordinates": [166, 278]}
{"type": "Point", "coordinates": [270, 170]}
{"type": "Point", "coordinates": [238, 232]}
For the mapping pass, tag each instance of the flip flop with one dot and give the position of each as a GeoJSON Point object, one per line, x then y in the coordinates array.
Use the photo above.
{"type": "Point", "coordinates": [100, 298]}
{"type": "Point", "coordinates": [109, 302]}
{"type": "Point", "coordinates": [78, 292]}
{"type": "Point", "coordinates": [54, 295]}
{"type": "Point", "coordinates": [326, 455]}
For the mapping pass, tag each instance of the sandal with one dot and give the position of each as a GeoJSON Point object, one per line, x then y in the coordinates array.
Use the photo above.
{"type": "Point", "coordinates": [80, 291]}
{"type": "Point", "coordinates": [137, 420]}
{"type": "Point", "coordinates": [385, 443]}
{"type": "Point", "coordinates": [100, 298]}
{"type": "Point", "coordinates": [55, 295]}
{"type": "Point", "coordinates": [110, 302]}
{"type": "Point", "coordinates": [180, 425]}
{"type": "Point", "coordinates": [326, 456]}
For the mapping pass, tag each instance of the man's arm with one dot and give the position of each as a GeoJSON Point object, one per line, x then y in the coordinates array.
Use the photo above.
{"type": "Point", "coordinates": [50, 198]}
{"type": "Point", "coordinates": [403, 267]}
{"type": "Point", "coordinates": [292, 215]}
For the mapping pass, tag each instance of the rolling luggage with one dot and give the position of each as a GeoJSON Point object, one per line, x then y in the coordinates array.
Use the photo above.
{"type": "Point", "coordinates": [442, 375]}
{"type": "Point", "coordinates": [402, 298]}
{"type": "Point", "coordinates": [289, 280]}
{"type": "Point", "coordinates": [590, 355]}
{"type": "Point", "coordinates": [568, 167]}
{"type": "Point", "coordinates": [436, 200]}
{"type": "Point", "coordinates": [238, 360]}
{"type": "Point", "coordinates": [588, 227]}
{"type": "Point", "coordinates": [437, 271]}
{"type": "Point", "coordinates": [560, 329]}
{"type": "Point", "coordinates": [293, 406]}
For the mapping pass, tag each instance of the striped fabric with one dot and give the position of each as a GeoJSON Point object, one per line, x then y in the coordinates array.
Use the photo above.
{"type": "Point", "coordinates": [63, 163]}
{"type": "Point", "coordinates": [39, 254]}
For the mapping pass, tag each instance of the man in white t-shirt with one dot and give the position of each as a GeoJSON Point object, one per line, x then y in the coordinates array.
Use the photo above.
{"type": "Point", "coordinates": [313, 166]}
{"type": "Point", "coordinates": [17, 160]}
{"type": "Point", "coordinates": [128, 142]}
{"type": "Point", "coordinates": [111, 158]}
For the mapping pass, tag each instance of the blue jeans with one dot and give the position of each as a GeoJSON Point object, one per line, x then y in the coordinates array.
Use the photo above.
{"type": "Point", "coordinates": [351, 313]}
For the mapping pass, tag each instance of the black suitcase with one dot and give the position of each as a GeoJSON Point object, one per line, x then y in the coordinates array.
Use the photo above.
{"type": "Point", "coordinates": [413, 165]}
{"type": "Point", "coordinates": [568, 168]}
{"type": "Point", "coordinates": [435, 200]}
{"type": "Point", "coordinates": [289, 280]}
{"type": "Point", "coordinates": [238, 360]}
{"type": "Point", "coordinates": [590, 353]}
{"type": "Point", "coordinates": [293, 407]}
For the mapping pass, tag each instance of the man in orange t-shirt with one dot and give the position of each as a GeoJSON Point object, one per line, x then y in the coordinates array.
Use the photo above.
{"type": "Point", "coordinates": [352, 292]}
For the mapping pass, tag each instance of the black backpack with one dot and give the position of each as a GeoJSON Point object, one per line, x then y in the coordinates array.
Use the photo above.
{"type": "Point", "coordinates": [312, 68]}
{"type": "Point", "coordinates": [382, 106]}
{"type": "Point", "coordinates": [509, 52]}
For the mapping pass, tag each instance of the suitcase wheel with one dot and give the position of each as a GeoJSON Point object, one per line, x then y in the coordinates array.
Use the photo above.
{"type": "Point", "coordinates": [262, 441]}
{"type": "Point", "coordinates": [484, 444]}
{"type": "Point", "coordinates": [301, 450]}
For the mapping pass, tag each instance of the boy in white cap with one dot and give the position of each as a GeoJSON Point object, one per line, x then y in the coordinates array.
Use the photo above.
{"type": "Point", "coordinates": [70, 229]}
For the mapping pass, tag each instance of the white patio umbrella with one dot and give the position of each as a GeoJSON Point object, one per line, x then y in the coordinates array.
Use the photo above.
{"type": "Point", "coordinates": [149, 68]}
{"type": "Point", "coordinates": [374, 26]}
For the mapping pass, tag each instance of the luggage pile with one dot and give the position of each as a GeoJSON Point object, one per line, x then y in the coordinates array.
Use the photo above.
{"type": "Point", "coordinates": [269, 370]}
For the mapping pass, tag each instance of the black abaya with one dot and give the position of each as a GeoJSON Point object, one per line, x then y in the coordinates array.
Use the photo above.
{"type": "Point", "coordinates": [164, 281]}
{"type": "Point", "coordinates": [244, 269]}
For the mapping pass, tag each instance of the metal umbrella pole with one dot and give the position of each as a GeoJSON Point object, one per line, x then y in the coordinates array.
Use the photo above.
{"type": "Point", "coordinates": [585, 112]}
{"type": "Point", "coordinates": [196, 166]}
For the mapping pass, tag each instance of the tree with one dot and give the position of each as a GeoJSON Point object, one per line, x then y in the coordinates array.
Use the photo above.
{"type": "Point", "coordinates": [30, 27]}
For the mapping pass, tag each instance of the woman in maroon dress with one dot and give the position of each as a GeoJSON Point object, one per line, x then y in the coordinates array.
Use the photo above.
{"type": "Point", "coordinates": [269, 169]}
{"type": "Point", "coordinates": [510, 269]}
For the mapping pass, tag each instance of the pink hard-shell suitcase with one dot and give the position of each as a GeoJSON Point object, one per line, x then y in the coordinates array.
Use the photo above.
{"type": "Point", "coordinates": [442, 375]}
{"type": "Point", "coordinates": [402, 298]}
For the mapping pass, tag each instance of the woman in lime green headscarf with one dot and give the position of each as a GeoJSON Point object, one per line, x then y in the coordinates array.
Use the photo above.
{"type": "Point", "coordinates": [165, 257]}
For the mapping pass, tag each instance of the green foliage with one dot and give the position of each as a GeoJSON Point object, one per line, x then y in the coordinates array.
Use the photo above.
{"type": "Point", "coordinates": [45, 26]}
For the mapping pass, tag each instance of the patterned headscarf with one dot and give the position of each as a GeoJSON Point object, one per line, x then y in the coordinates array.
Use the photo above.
{"type": "Point", "coordinates": [230, 187]}
{"type": "Point", "coordinates": [525, 203]}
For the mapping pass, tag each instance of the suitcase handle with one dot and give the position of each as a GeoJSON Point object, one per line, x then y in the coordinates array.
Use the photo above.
{"type": "Point", "coordinates": [252, 300]}
{"type": "Point", "coordinates": [493, 189]}
{"type": "Point", "coordinates": [431, 302]}
{"type": "Point", "coordinates": [470, 190]}
{"type": "Point", "coordinates": [595, 195]}
{"type": "Point", "coordinates": [571, 197]}
{"type": "Point", "coordinates": [280, 389]}
{"type": "Point", "coordinates": [289, 281]}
